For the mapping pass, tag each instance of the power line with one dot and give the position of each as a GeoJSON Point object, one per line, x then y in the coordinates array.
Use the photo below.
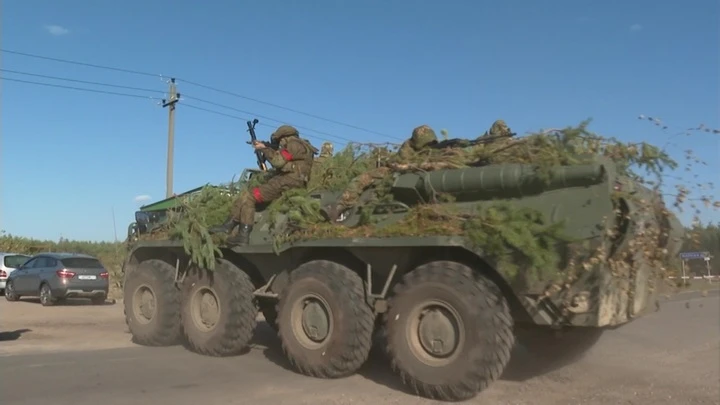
{"type": "Point", "coordinates": [79, 88]}
{"type": "Point", "coordinates": [261, 123]}
{"type": "Point", "coordinates": [138, 72]}
{"type": "Point", "coordinates": [82, 81]}
{"type": "Point", "coordinates": [288, 109]}
{"type": "Point", "coordinates": [148, 90]}
{"type": "Point", "coordinates": [264, 117]}
{"type": "Point", "coordinates": [158, 99]}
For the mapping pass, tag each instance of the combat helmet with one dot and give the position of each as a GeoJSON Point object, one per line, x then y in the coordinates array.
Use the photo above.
{"type": "Point", "coordinates": [282, 132]}
{"type": "Point", "coordinates": [326, 149]}
{"type": "Point", "coordinates": [422, 136]}
{"type": "Point", "coordinates": [499, 128]}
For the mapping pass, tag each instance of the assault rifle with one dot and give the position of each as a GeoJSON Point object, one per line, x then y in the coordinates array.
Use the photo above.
{"type": "Point", "coordinates": [261, 160]}
{"type": "Point", "coordinates": [465, 143]}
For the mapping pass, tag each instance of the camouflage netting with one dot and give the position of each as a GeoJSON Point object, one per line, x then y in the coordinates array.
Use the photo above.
{"type": "Point", "coordinates": [515, 238]}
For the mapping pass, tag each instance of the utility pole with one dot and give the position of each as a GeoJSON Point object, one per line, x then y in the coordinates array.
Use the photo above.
{"type": "Point", "coordinates": [174, 97]}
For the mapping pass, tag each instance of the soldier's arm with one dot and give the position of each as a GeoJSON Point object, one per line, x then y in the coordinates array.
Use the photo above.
{"type": "Point", "coordinates": [278, 158]}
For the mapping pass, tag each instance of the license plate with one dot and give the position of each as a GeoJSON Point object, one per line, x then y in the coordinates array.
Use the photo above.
{"type": "Point", "coordinates": [87, 277]}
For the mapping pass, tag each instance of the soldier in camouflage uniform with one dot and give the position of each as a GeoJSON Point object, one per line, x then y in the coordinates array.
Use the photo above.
{"type": "Point", "coordinates": [422, 136]}
{"type": "Point", "coordinates": [498, 128]}
{"type": "Point", "coordinates": [292, 160]}
{"type": "Point", "coordinates": [326, 150]}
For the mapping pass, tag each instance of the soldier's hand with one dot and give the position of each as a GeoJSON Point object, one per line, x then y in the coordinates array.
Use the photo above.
{"type": "Point", "coordinates": [258, 145]}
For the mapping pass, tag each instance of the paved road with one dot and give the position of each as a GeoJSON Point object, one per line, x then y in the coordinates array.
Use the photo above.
{"type": "Point", "coordinates": [669, 357]}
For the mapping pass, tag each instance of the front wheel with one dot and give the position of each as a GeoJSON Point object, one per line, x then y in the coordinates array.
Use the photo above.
{"type": "Point", "coordinates": [449, 331]}
{"type": "Point", "coordinates": [324, 323]}
{"type": "Point", "coordinates": [152, 304]}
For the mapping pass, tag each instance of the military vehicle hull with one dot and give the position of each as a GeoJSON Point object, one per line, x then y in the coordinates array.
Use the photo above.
{"type": "Point", "coordinates": [436, 299]}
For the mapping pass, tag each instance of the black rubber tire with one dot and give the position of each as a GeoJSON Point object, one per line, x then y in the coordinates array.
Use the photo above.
{"type": "Point", "coordinates": [13, 296]}
{"type": "Point", "coordinates": [487, 326]}
{"type": "Point", "coordinates": [50, 301]}
{"type": "Point", "coordinates": [164, 328]}
{"type": "Point", "coordinates": [235, 327]}
{"type": "Point", "coordinates": [348, 345]}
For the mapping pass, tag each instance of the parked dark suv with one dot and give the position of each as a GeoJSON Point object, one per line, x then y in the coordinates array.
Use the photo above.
{"type": "Point", "coordinates": [56, 276]}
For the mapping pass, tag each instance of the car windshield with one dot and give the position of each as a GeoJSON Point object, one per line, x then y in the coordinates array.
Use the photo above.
{"type": "Point", "coordinates": [14, 261]}
{"type": "Point", "coordinates": [82, 263]}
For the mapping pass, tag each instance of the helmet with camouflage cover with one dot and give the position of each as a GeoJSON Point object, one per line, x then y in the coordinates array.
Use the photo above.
{"type": "Point", "coordinates": [422, 136]}
{"type": "Point", "coordinates": [326, 149]}
{"type": "Point", "coordinates": [499, 128]}
{"type": "Point", "coordinates": [282, 132]}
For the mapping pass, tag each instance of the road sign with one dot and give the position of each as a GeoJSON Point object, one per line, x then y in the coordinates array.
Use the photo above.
{"type": "Point", "coordinates": [694, 255]}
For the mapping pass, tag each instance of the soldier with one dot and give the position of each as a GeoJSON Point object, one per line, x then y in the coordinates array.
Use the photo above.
{"type": "Point", "coordinates": [326, 150]}
{"type": "Point", "coordinates": [422, 136]}
{"type": "Point", "coordinates": [293, 162]}
{"type": "Point", "coordinates": [498, 128]}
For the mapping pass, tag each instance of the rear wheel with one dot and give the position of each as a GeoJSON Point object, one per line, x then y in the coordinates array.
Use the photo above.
{"type": "Point", "coordinates": [324, 323]}
{"type": "Point", "coordinates": [449, 331]}
{"type": "Point", "coordinates": [152, 304]}
{"type": "Point", "coordinates": [218, 310]}
{"type": "Point", "coordinates": [10, 293]}
{"type": "Point", "coordinates": [46, 296]}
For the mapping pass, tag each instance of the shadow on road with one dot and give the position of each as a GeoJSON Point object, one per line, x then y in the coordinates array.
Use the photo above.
{"type": "Point", "coordinates": [68, 302]}
{"type": "Point", "coordinates": [13, 335]}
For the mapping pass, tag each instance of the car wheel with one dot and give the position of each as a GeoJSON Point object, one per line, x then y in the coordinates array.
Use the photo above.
{"type": "Point", "coordinates": [46, 297]}
{"type": "Point", "coordinates": [10, 293]}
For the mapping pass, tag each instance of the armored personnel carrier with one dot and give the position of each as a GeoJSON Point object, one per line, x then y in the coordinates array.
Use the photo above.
{"type": "Point", "coordinates": [448, 309]}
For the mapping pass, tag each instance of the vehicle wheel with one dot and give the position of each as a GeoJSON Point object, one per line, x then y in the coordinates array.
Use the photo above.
{"type": "Point", "coordinates": [99, 300]}
{"type": "Point", "coordinates": [449, 331]}
{"type": "Point", "coordinates": [152, 304]}
{"type": "Point", "coordinates": [46, 297]}
{"type": "Point", "coordinates": [218, 310]}
{"type": "Point", "coordinates": [10, 293]}
{"type": "Point", "coordinates": [324, 323]}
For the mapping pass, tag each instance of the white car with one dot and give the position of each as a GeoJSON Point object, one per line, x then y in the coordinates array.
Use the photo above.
{"type": "Point", "coordinates": [8, 263]}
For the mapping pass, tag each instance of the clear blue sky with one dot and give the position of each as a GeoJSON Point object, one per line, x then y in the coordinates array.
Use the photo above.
{"type": "Point", "coordinates": [69, 158]}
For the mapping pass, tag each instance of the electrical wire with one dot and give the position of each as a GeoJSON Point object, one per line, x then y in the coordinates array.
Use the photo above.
{"type": "Point", "coordinates": [344, 140]}
{"type": "Point", "coordinates": [263, 117]}
{"type": "Point", "coordinates": [193, 83]}
{"type": "Point", "coordinates": [79, 88]}
{"type": "Point", "coordinates": [118, 86]}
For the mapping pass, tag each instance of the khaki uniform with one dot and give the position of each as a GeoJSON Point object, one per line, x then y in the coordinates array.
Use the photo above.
{"type": "Point", "coordinates": [421, 137]}
{"type": "Point", "coordinates": [292, 161]}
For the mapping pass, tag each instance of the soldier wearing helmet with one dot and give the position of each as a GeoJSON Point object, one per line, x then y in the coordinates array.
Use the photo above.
{"type": "Point", "coordinates": [422, 137]}
{"type": "Point", "coordinates": [326, 150]}
{"type": "Point", "coordinates": [292, 159]}
{"type": "Point", "coordinates": [498, 129]}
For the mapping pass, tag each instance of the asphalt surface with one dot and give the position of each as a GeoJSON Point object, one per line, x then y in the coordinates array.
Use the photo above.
{"type": "Point", "coordinates": [669, 357]}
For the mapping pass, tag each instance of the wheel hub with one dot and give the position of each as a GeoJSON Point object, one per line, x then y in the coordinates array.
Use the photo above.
{"type": "Point", "coordinates": [205, 309]}
{"type": "Point", "coordinates": [311, 319]}
{"type": "Point", "coordinates": [145, 304]}
{"type": "Point", "coordinates": [435, 333]}
{"type": "Point", "coordinates": [315, 321]}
